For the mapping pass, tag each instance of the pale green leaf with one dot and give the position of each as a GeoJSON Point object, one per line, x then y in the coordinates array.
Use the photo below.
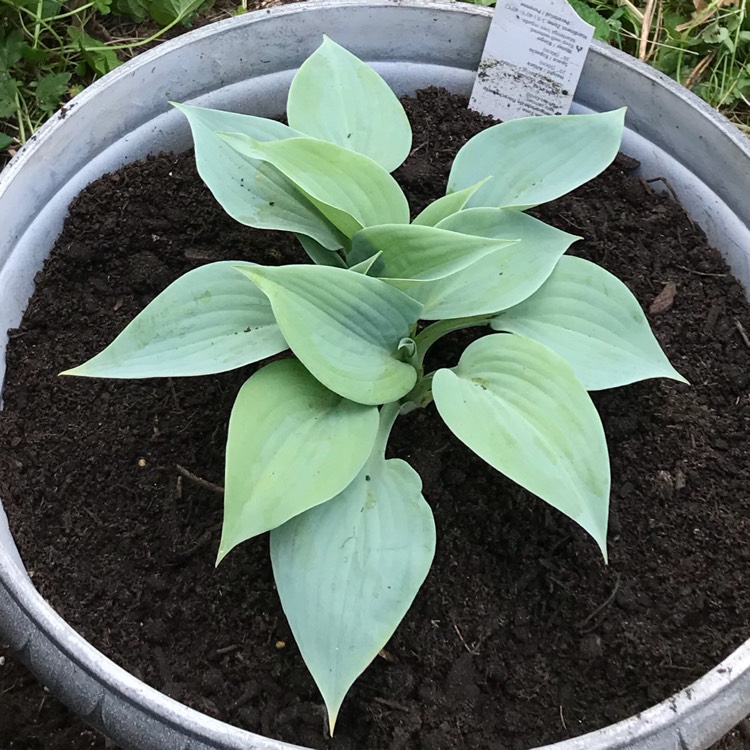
{"type": "Point", "coordinates": [319, 254]}
{"type": "Point", "coordinates": [348, 571]}
{"type": "Point", "coordinates": [410, 251]}
{"type": "Point", "coordinates": [345, 327]}
{"type": "Point", "coordinates": [292, 444]}
{"type": "Point", "coordinates": [500, 279]}
{"type": "Point", "coordinates": [366, 265]}
{"type": "Point", "coordinates": [445, 206]}
{"type": "Point", "coordinates": [210, 320]}
{"type": "Point", "coordinates": [533, 160]}
{"type": "Point", "coordinates": [249, 190]}
{"type": "Point", "coordinates": [336, 97]}
{"type": "Point", "coordinates": [592, 320]}
{"type": "Point", "coordinates": [519, 406]}
{"type": "Point", "coordinates": [351, 190]}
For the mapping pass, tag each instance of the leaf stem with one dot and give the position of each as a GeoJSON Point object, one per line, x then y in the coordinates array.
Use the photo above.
{"type": "Point", "coordinates": [418, 397]}
{"type": "Point", "coordinates": [436, 331]}
{"type": "Point", "coordinates": [388, 415]}
{"type": "Point", "coordinates": [134, 45]}
{"type": "Point", "coordinates": [20, 116]}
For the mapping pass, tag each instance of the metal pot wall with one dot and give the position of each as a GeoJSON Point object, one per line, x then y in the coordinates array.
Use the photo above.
{"type": "Point", "coordinates": [246, 64]}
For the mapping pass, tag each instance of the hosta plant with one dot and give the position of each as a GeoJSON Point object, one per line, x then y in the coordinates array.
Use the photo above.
{"type": "Point", "coordinates": [352, 538]}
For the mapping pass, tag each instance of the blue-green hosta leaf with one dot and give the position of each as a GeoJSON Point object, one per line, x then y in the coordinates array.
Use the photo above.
{"type": "Point", "coordinates": [319, 254]}
{"type": "Point", "coordinates": [336, 97]}
{"type": "Point", "coordinates": [410, 251]}
{"type": "Point", "coordinates": [348, 571]}
{"type": "Point", "coordinates": [445, 206]}
{"type": "Point", "coordinates": [519, 406]}
{"type": "Point", "coordinates": [366, 266]}
{"type": "Point", "coordinates": [345, 327]}
{"type": "Point", "coordinates": [292, 444]}
{"type": "Point", "coordinates": [500, 279]}
{"type": "Point", "coordinates": [533, 160]}
{"type": "Point", "coordinates": [351, 190]}
{"type": "Point", "coordinates": [592, 320]}
{"type": "Point", "coordinates": [209, 320]}
{"type": "Point", "coordinates": [249, 190]}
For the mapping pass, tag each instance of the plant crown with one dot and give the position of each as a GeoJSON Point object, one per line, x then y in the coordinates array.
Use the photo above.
{"type": "Point", "coordinates": [352, 538]}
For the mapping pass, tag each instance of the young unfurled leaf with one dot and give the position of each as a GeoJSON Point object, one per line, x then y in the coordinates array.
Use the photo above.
{"type": "Point", "coordinates": [500, 279]}
{"type": "Point", "coordinates": [536, 159]}
{"type": "Point", "coordinates": [443, 207]}
{"type": "Point", "coordinates": [334, 96]}
{"type": "Point", "coordinates": [348, 571]}
{"type": "Point", "coordinates": [591, 319]}
{"type": "Point", "coordinates": [345, 327]}
{"type": "Point", "coordinates": [251, 191]}
{"type": "Point", "coordinates": [410, 251]}
{"type": "Point", "coordinates": [351, 190]}
{"type": "Point", "coordinates": [210, 320]}
{"type": "Point", "coordinates": [292, 445]}
{"type": "Point", "coordinates": [519, 406]}
{"type": "Point", "coordinates": [319, 254]}
{"type": "Point", "coordinates": [366, 266]}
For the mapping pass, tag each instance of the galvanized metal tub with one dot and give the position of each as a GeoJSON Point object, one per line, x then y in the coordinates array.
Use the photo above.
{"type": "Point", "coordinates": [246, 64]}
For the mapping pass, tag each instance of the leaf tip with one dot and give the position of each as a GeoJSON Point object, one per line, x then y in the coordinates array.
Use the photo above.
{"type": "Point", "coordinates": [221, 554]}
{"type": "Point", "coordinates": [79, 371]}
{"type": "Point", "coordinates": [333, 714]}
{"type": "Point", "coordinates": [679, 378]}
{"type": "Point", "coordinates": [602, 544]}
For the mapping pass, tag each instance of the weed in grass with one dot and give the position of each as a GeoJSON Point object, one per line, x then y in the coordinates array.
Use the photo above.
{"type": "Point", "coordinates": [48, 53]}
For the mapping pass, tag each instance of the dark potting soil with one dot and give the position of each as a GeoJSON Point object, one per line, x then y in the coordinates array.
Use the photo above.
{"type": "Point", "coordinates": [520, 635]}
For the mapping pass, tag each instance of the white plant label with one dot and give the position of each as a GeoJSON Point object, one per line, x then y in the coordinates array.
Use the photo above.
{"type": "Point", "coordinates": [532, 59]}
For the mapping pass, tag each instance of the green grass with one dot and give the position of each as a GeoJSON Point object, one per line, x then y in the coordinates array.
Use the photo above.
{"type": "Point", "coordinates": [51, 49]}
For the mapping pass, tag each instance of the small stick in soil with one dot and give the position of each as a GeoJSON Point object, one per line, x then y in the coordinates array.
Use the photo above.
{"type": "Point", "coordinates": [179, 556]}
{"type": "Point", "coordinates": [743, 334]}
{"type": "Point", "coordinates": [174, 394]}
{"type": "Point", "coordinates": [602, 606]}
{"type": "Point", "coordinates": [199, 480]}
{"type": "Point", "coordinates": [461, 638]}
{"type": "Point", "coordinates": [562, 719]}
{"type": "Point", "coordinates": [668, 185]}
{"type": "Point", "coordinates": [390, 703]}
{"type": "Point", "coordinates": [702, 273]}
{"type": "Point", "coordinates": [227, 649]}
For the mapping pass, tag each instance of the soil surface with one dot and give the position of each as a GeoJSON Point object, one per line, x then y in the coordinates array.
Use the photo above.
{"type": "Point", "coordinates": [520, 636]}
